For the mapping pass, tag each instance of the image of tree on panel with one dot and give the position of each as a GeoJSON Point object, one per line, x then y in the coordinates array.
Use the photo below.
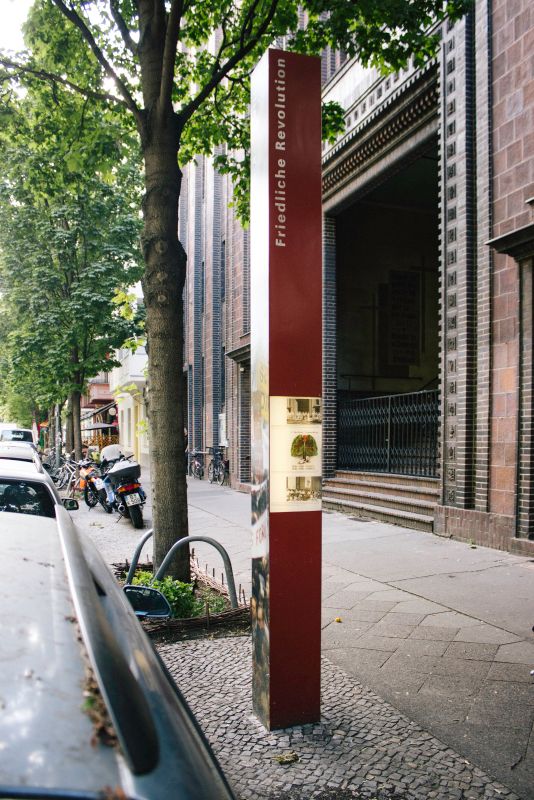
{"type": "Point", "coordinates": [304, 447]}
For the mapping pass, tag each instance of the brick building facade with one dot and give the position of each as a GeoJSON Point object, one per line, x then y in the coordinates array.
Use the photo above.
{"type": "Point", "coordinates": [428, 254]}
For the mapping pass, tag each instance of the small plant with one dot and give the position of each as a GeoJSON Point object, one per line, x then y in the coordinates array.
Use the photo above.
{"type": "Point", "coordinates": [181, 596]}
{"type": "Point", "coordinates": [215, 601]}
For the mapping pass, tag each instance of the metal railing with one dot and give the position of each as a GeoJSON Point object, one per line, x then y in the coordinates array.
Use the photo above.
{"type": "Point", "coordinates": [393, 433]}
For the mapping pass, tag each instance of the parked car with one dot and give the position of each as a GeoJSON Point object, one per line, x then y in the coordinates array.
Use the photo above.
{"type": "Point", "coordinates": [88, 709]}
{"type": "Point", "coordinates": [25, 487]}
{"type": "Point", "coordinates": [19, 451]}
{"type": "Point", "coordinates": [16, 435]}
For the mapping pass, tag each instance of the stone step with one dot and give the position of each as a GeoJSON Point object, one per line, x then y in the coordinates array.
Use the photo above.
{"type": "Point", "coordinates": [388, 477]}
{"type": "Point", "coordinates": [422, 522]}
{"type": "Point", "coordinates": [414, 491]}
{"type": "Point", "coordinates": [397, 502]}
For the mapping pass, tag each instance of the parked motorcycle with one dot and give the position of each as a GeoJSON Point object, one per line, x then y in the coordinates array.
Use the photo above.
{"type": "Point", "coordinates": [94, 490]}
{"type": "Point", "coordinates": [124, 492]}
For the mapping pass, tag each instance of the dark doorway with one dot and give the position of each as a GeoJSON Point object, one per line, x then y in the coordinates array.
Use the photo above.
{"type": "Point", "coordinates": [388, 328]}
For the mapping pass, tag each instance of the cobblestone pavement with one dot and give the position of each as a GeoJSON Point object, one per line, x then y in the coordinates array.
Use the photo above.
{"type": "Point", "coordinates": [361, 744]}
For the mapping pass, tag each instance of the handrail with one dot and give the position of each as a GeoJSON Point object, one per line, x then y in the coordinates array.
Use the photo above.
{"type": "Point", "coordinates": [179, 543]}
{"type": "Point", "coordinates": [135, 560]}
{"type": "Point", "coordinates": [127, 705]}
{"type": "Point", "coordinates": [225, 557]}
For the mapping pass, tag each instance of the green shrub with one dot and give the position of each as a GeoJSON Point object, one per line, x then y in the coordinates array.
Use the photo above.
{"type": "Point", "coordinates": [181, 596]}
{"type": "Point", "coordinates": [216, 602]}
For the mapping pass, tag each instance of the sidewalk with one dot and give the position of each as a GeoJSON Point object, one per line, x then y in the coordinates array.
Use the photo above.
{"type": "Point", "coordinates": [439, 629]}
{"type": "Point", "coordinates": [426, 683]}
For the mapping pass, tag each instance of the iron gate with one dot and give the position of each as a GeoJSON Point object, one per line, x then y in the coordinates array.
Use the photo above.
{"type": "Point", "coordinates": [394, 433]}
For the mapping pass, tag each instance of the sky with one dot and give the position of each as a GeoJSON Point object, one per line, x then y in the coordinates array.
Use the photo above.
{"type": "Point", "coordinates": [10, 33]}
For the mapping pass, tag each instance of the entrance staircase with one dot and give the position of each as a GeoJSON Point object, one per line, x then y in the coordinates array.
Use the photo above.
{"type": "Point", "coordinates": [404, 500]}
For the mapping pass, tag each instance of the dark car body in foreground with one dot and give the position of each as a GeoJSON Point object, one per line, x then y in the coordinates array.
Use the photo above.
{"type": "Point", "coordinates": [66, 629]}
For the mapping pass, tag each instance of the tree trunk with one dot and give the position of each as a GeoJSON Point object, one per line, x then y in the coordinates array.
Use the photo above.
{"type": "Point", "coordinates": [58, 433]}
{"type": "Point", "coordinates": [69, 435]}
{"type": "Point", "coordinates": [74, 400]}
{"type": "Point", "coordinates": [162, 285]}
{"type": "Point", "coordinates": [51, 427]}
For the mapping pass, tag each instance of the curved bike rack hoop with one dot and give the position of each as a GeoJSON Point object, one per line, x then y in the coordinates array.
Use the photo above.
{"type": "Point", "coordinates": [168, 558]}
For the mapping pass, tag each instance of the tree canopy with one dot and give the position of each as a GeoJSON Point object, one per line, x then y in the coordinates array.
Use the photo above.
{"type": "Point", "coordinates": [69, 225]}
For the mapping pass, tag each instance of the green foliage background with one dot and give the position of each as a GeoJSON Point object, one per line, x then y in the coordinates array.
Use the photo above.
{"type": "Point", "coordinates": [69, 225]}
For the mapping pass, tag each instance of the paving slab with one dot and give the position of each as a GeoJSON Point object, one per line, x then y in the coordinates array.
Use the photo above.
{"type": "Point", "coordinates": [434, 633]}
{"type": "Point", "coordinates": [388, 628]}
{"type": "Point", "coordinates": [486, 634]}
{"type": "Point", "coordinates": [472, 651]}
{"type": "Point", "coordinates": [344, 599]}
{"type": "Point", "coordinates": [518, 653]}
{"type": "Point", "coordinates": [421, 647]}
{"type": "Point", "coordinates": [511, 673]}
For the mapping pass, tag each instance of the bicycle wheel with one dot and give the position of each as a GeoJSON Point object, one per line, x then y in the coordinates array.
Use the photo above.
{"type": "Point", "coordinates": [197, 470]}
{"type": "Point", "coordinates": [211, 472]}
{"type": "Point", "coordinates": [221, 473]}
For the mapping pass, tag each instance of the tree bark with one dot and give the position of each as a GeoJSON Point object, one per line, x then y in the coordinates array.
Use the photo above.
{"type": "Point", "coordinates": [51, 427]}
{"type": "Point", "coordinates": [75, 400]}
{"type": "Point", "coordinates": [69, 435]}
{"type": "Point", "coordinates": [163, 283]}
{"type": "Point", "coordinates": [73, 436]}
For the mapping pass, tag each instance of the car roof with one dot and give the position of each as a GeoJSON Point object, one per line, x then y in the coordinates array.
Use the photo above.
{"type": "Point", "coordinates": [40, 642]}
{"type": "Point", "coordinates": [23, 450]}
{"type": "Point", "coordinates": [5, 427]}
{"type": "Point", "coordinates": [27, 471]}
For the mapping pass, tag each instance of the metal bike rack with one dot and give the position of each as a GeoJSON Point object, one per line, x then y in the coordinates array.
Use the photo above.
{"type": "Point", "coordinates": [168, 558]}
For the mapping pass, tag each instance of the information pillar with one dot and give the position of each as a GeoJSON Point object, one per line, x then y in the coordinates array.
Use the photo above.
{"type": "Point", "coordinates": [286, 375]}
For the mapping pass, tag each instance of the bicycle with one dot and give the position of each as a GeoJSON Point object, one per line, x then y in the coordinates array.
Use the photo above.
{"type": "Point", "coordinates": [217, 470]}
{"type": "Point", "coordinates": [66, 473]}
{"type": "Point", "coordinates": [196, 463]}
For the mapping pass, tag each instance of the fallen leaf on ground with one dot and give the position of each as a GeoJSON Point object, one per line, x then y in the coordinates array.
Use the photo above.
{"type": "Point", "coordinates": [287, 758]}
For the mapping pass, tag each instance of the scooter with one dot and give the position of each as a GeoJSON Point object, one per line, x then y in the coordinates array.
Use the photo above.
{"type": "Point", "coordinates": [93, 486]}
{"type": "Point", "coordinates": [124, 492]}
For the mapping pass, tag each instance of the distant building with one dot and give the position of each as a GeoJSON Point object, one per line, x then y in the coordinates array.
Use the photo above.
{"type": "Point", "coordinates": [128, 385]}
{"type": "Point", "coordinates": [98, 412]}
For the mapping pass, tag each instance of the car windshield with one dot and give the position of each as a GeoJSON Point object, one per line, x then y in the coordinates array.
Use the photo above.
{"type": "Point", "coordinates": [16, 436]}
{"type": "Point", "coordinates": [26, 497]}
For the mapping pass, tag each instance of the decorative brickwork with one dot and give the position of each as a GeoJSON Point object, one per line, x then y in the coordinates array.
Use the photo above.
{"type": "Point", "coordinates": [458, 263]}
{"type": "Point", "coordinates": [484, 205]}
{"type": "Point", "coordinates": [489, 530]}
{"type": "Point", "coordinates": [525, 489]}
{"type": "Point", "coordinates": [215, 347]}
{"type": "Point", "coordinates": [513, 184]}
{"type": "Point", "coordinates": [329, 348]}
